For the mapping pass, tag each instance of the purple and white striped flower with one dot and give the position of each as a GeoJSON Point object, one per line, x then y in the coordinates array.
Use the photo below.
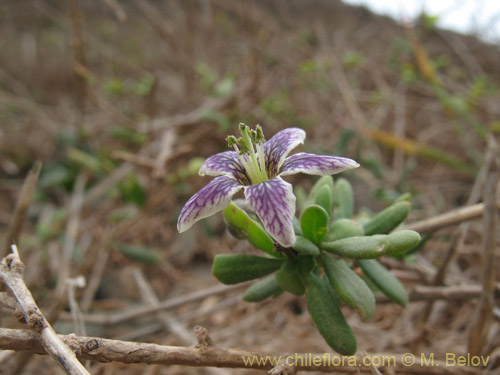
{"type": "Point", "coordinates": [257, 166]}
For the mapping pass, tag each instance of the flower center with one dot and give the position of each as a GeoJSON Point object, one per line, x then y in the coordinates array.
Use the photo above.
{"type": "Point", "coordinates": [250, 148]}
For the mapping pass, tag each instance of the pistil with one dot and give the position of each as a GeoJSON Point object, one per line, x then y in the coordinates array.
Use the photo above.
{"type": "Point", "coordinates": [252, 159]}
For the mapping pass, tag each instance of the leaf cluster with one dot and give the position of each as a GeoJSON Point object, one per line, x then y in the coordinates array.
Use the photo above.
{"type": "Point", "coordinates": [333, 260]}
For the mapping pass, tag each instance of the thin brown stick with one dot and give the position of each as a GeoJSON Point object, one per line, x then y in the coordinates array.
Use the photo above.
{"type": "Point", "coordinates": [449, 218]}
{"type": "Point", "coordinates": [166, 320]}
{"type": "Point", "coordinates": [453, 248]}
{"type": "Point", "coordinates": [418, 293]}
{"type": "Point", "coordinates": [11, 273]}
{"type": "Point", "coordinates": [106, 350]}
{"type": "Point", "coordinates": [483, 316]}
{"type": "Point", "coordinates": [72, 225]}
{"type": "Point", "coordinates": [164, 305]}
{"type": "Point", "coordinates": [22, 205]}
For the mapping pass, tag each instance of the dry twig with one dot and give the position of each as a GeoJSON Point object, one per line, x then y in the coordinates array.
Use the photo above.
{"type": "Point", "coordinates": [105, 350]}
{"type": "Point", "coordinates": [449, 218]}
{"type": "Point", "coordinates": [11, 273]}
{"type": "Point", "coordinates": [482, 319]}
{"type": "Point", "coordinates": [21, 208]}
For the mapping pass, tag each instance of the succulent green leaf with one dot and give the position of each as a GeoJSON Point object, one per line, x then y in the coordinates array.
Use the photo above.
{"type": "Point", "coordinates": [343, 201]}
{"type": "Point", "coordinates": [305, 263]}
{"type": "Point", "coordinates": [236, 268]}
{"type": "Point", "coordinates": [406, 197]}
{"type": "Point", "coordinates": [401, 242]}
{"type": "Point", "coordinates": [349, 286]}
{"type": "Point", "coordinates": [369, 247]}
{"type": "Point", "coordinates": [359, 247]}
{"type": "Point", "coordinates": [324, 198]}
{"type": "Point", "coordinates": [318, 186]}
{"type": "Point", "coordinates": [332, 291]}
{"type": "Point", "coordinates": [296, 226]}
{"type": "Point", "coordinates": [132, 190]}
{"type": "Point", "coordinates": [140, 253]}
{"type": "Point", "coordinates": [262, 290]}
{"type": "Point", "coordinates": [314, 223]}
{"type": "Point", "coordinates": [304, 246]}
{"type": "Point", "coordinates": [289, 282]}
{"type": "Point", "coordinates": [384, 280]}
{"type": "Point", "coordinates": [344, 228]}
{"type": "Point", "coordinates": [327, 316]}
{"type": "Point", "coordinates": [243, 225]}
{"type": "Point", "coordinates": [388, 219]}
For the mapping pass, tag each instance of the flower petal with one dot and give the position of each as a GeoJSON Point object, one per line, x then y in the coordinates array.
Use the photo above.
{"type": "Point", "coordinates": [225, 163]}
{"type": "Point", "coordinates": [279, 146]}
{"type": "Point", "coordinates": [211, 199]}
{"type": "Point", "coordinates": [274, 203]}
{"type": "Point", "coordinates": [322, 165]}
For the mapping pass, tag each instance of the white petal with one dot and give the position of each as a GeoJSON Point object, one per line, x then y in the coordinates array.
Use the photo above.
{"type": "Point", "coordinates": [274, 203]}
{"type": "Point", "coordinates": [279, 146]}
{"type": "Point", "coordinates": [211, 199]}
{"type": "Point", "coordinates": [322, 165]}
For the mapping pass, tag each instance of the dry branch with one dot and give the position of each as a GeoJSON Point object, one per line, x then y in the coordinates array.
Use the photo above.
{"type": "Point", "coordinates": [162, 306]}
{"type": "Point", "coordinates": [449, 218]}
{"type": "Point", "coordinates": [483, 316]}
{"type": "Point", "coordinates": [21, 208]}
{"type": "Point", "coordinates": [11, 273]}
{"type": "Point", "coordinates": [106, 350]}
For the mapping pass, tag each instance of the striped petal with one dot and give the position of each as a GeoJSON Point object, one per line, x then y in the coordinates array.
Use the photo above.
{"type": "Point", "coordinates": [225, 163]}
{"type": "Point", "coordinates": [211, 199]}
{"type": "Point", "coordinates": [322, 165]}
{"type": "Point", "coordinates": [279, 146]}
{"type": "Point", "coordinates": [274, 203]}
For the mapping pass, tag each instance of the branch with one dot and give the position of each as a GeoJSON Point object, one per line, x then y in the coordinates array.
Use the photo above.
{"type": "Point", "coordinates": [22, 205]}
{"type": "Point", "coordinates": [482, 318]}
{"type": "Point", "coordinates": [11, 273]}
{"type": "Point", "coordinates": [449, 218]}
{"type": "Point", "coordinates": [106, 350]}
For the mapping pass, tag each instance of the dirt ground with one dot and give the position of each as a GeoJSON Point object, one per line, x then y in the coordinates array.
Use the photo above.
{"type": "Point", "coordinates": [121, 101]}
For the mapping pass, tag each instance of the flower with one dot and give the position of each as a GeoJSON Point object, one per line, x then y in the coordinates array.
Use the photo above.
{"type": "Point", "coordinates": [257, 166]}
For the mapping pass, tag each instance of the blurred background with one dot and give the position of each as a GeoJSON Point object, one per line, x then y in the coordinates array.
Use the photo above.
{"type": "Point", "coordinates": [121, 101]}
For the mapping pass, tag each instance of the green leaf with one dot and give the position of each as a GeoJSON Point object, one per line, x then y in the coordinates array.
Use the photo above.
{"type": "Point", "coordinates": [359, 247]}
{"type": "Point", "coordinates": [305, 263]}
{"type": "Point", "coordinates": [128, 135]}
{"type": "Point", "coordinates": [236, 268]}
{"type": "Point", "coordinates": [262, 290]}
{"type": "Point", "coordinates": [328, 318]}
{"type": "Point", "coordinates": [401, 242]}
{"type": "Point", "coordinates": [343, 201]}
{"type": "Point", "coordinates": [388, 219]}
{"type": "Point", "coordinates": [304, 246]}
{"type": "Point", "coordinates": [296, 226]}
{"type": "Point", "coordinates": [324, 199]}
{"type": "Point", "coordinates": [344, 228]}
{"type": "Point", "coordinates": [406, 197]}
{"type": "Point", "coordinates": [316, 189]}
{"type": "Point", "coordinates": [132, 191]}
{"type": "Point", "coordinates": [368, 247]}
{"type": "Point", "coordinates": [289, 282]}
{"type": "Point", "coordinates": [140, 253]}
{"type": "Point", "coordinates": [384, 280]}
{"type": "Point", "coordinates": [246, 227]}
{"type": "Point", "coordinates": [314, 223]}
{"type": "Point", "coordinates": [349, 286]}
{"type": "Point", "coordinates": [84, 160]}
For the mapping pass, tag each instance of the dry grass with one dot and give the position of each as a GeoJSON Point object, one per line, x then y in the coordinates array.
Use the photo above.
{"type": "Point", "coordinates": [412, 106]}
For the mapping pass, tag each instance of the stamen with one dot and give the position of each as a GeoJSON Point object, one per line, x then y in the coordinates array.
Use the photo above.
{"type": "Point", "coordinates": [252, 159]}
{"type": "Point", "coordinates": [262, 160]}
